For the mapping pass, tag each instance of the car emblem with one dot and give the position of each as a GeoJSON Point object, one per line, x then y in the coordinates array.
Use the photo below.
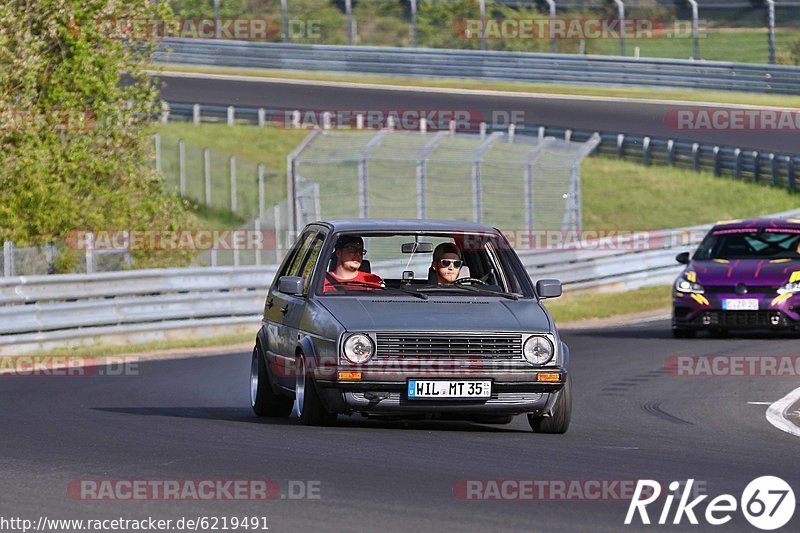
{"type": "Point", "coordinates": [741, 288]}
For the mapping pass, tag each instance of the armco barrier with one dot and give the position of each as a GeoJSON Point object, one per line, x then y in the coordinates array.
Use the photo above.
{"type": "Point", "coordinates": [488, 65]}
{"type": "Point", "coordinates": [41, 311]}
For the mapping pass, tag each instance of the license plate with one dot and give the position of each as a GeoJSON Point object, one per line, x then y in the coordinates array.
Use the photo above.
{"type": "Point", "coordinates": [433, 389]}
{"type": "Point", "coordinates": [740, 304]}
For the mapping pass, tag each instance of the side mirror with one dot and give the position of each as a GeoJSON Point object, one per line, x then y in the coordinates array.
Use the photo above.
{"type": "Point", "coordinates": [548, 288]}
{"type": "Point", "coordinates": [682, 258]}
{"type": "Point", "coordinates": [293, 285]}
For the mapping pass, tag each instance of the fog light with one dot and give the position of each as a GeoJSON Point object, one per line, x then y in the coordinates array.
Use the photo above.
{"type": "Point", "coordinates": [706, 319]}
{"type": "Point", "coordinates": [775, 320]}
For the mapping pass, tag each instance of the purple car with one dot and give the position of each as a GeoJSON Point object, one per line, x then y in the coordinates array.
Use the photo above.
{"type": "Point", "coordinates": [744, 275]}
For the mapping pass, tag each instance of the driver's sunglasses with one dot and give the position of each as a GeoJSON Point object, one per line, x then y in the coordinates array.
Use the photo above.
{"type": "Point", "coordinates": [447, 262]}
{"type": "Point", "coordinates": [355, 250]}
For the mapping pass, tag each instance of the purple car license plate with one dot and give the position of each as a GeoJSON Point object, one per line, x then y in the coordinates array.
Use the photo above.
{"type": "Point", "coordinates": [434, 389]}
{"type": "Point", "coordinates": [740, 304]}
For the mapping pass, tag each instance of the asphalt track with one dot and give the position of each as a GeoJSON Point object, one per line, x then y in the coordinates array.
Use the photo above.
{"type": "Point", "coordinates": [190, 419]}
{"type": "Point", "coordinates": [608, 116]}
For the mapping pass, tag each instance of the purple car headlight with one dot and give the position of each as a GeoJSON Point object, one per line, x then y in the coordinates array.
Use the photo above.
{"type": "Point", "coordinates": [684, 285]}
{"type": "Point", "coordinates": [790, 288]}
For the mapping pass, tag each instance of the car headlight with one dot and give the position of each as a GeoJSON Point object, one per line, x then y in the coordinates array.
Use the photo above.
{"type": "Point", "coordinates": [684, 285]}
{"type": "Point", "coordinates": [790, 288]}
{"type": "Point", "coordinates": [358, 348]}
{"type": "Point", "coordinates": [538, 350]}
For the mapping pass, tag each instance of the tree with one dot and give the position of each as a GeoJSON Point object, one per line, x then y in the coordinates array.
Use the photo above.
{"type": "Point", "coordinates": [78, 109]}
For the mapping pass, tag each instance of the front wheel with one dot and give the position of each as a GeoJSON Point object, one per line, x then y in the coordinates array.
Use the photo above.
{"type": "Point", "coordinates": [558, 421]}
{"type": "Point", "coordinates": [263, 400]}
{"type": "Point", "coordinates": [307, 402]}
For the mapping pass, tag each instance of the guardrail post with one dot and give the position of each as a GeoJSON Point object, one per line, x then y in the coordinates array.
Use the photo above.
{"type": "Point", "coordinates": [326, 120]}
{"type": "Point", "coordinates": [541, 132]}
{"type": "Point", "coordinates": [646, 151]}
{"type": "Point", "coordinates": [737, 163]}
{"type": "Point", "coordinates": [262, 117]}
{"type": "Point", "coordinates": [717, 161]}
{"type": "Point", "coordinates": [671, 152]}
{"type": "Point", "coordinates": [261, 191]}
{"type": "Point", "coordinates": [512, 129]}
{"type": "Point", "coordinates": [423, 125]}
{"type": "Point", "coordinates": [182, 167]}
{"type": "Point", "coordinates": [482, 130]}
{"type": "Point", "coordinates": [231, 115]}
{"type": "Point", "coordinates": [164, 112]}
{"type": "Point", "coordinates": [756, 166]}
{"type": "Point", "coordinates": [773, 168]}
{"type": "Point", "coordinates": [567, 134]}
{"type": "Point", "coordinates": [620, 145]}
{"type": "Point", "coordinates": [89, 252]}
{"type": "Point", "coordinates": [360, 121]}
{"type": "Point", "coordinates": [196, 114]}
{"type": "Point", "coordinates": [414, 35]}
{"type": "Point", "coordinates": [8, 259]}
{"type": "Point", "coordinates": [232, 171]}
{"type": "Point", "coordinates": [257, 251]}
{"type": "Point", "coordinates": [696, 157]}
{"type": "Point", "coordinates": [207, 175]}
{"type": "Point", "coordinates": [157, 141]}
{"type": "Point", "coordinates": [790, 172]}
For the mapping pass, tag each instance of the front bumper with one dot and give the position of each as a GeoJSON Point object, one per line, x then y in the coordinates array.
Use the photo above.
{"type": "Point", "coordinates": [707, 311]}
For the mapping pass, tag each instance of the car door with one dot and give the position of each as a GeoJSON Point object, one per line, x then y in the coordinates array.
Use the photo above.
{"type": "Point", "coordinates": [281, 340]}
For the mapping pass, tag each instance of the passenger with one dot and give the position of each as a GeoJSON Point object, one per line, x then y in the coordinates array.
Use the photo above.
{"type": "Point", "coordinates": [347, 275]}
{"type": "Point", "coordinates": [446, 263]}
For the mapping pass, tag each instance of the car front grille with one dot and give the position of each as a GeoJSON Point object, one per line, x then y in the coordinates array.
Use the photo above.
{"type": "Point", "coordinates": [745, 319]}
{"type": "Point", "coordinates": [490, 345]}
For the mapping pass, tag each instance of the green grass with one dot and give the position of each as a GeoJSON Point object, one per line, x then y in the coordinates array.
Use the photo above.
{"type": "Point", "coordinates": [102, 350]}
{"type": "Point", "coordinates": [689, 95]}
{"type": "Point", "coordinates": [580, 305]}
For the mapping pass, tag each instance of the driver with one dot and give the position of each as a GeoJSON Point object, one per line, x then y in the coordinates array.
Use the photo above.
{"type": "Point", "coordinates": [350, 252]}
{"type": "Point", "coordinates": [446, 263]}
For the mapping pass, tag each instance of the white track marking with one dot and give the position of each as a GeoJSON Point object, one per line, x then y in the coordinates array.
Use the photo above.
{"type": "Point", "coordinates": [776, 413]}
{"type": "Point", "coordinates": [759, 403]}
{"type": "Point", "coordinates": [443, 90]}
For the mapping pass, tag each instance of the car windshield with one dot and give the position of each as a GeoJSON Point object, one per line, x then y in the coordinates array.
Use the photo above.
{"type": "Point", "coordinates": [748, 243]}
{"type": "Point", "coordinates": [475, 264]}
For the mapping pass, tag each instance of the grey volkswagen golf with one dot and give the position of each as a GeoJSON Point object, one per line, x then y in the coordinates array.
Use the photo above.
{"type": "Point", "coordinates": [409, 319]}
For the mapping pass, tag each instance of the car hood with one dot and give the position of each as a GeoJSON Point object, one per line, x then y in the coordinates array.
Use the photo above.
{"type": "Point", "coordinates": [756, 272]}
{"type": "Point", "coordinates": [437, 314]}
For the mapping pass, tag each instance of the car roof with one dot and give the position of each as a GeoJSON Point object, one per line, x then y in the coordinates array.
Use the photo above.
{"type": "Point", "coordinates": [758, 223]}
{"type": "Point", "coordinates": [367, 225]}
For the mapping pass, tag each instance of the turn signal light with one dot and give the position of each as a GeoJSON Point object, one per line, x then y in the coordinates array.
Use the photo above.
{"type": "Point", "coordinates": [548, 377]}
{"type": "Point", "coordinates": [349, 376]}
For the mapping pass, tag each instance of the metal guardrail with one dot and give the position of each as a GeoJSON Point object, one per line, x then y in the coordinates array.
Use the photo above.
{"type": "Point", "coordinates": [760, 166]}
{"type": "Point", "coordinates": [40, 309]}
{"type": "Point", "coordinates": [487, 65]}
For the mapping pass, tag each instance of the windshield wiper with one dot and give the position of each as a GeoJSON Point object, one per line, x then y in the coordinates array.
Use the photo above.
{"type": "Point", "coordinates": [353, 286]}
{"type": "Point", "coordinates": [469, 288]}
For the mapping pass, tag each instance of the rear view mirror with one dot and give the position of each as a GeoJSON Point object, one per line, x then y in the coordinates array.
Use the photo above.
{"type": "Point", "coordinates": [416, 248]}
{"type": "Point", "coordinates": [548, 288]}
{"type": "Point", "coordinates": [682, 258]}
{"type": "Point", "coordinates": [291, 285]}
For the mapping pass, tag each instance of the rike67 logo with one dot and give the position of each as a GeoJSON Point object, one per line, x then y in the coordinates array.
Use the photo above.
{"type": "Point", "coordinates": [767, 503]}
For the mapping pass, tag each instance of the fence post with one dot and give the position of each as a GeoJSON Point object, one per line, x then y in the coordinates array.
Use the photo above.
{"type": "Point", "coordinates": [157, 140]}
{"type": "Point", "coordinates": [737, 163]}
{"type": "Point", "coordinates": [360, 121]}
{"type": "Point", "coordinates": [695, 29]}
{"type": "Point", "coordinates": [262, 117]}
{"type": "Point", "coordinates": [621, 11]}
{"type": "Point", "coordinates": [261, 191]}
{"type": "Point", "coordinates": [363, 193]}
{"type": "Point", "coordinates": [207, 175]}
{"type": "Point", "coordinates": [8, 259]}
{"type": "Point", "coordinates": [164, 112]}
{"type": "Point", "coordinates": [696, 157]}
{"type": "Point", "coordinates": [482, 10]}
{"type": "Point", "coordinates": [771, 29]}
{"type": "Point", "coordinates": [257, 229]}
{"type": "Point", "coordinates": [414, 35]}
{"type": "Point", "coordinates": [541, 132]}
{"type": "Point", "coordinates": [213, 257]}
{"type": "Point", "coordinates": [567, 134]}
{"type": "Point", "coordinates": [284, 22]}
{"type": "Point", "coordinates": [182, 167]}
{"type": "Point", "coordinates": [236, 256]}
{"type": "Point", "coordinates": [670, 152]}
{"type": "Point", "coordinates": [348, 10]}
{"type": "Point", "coordinates": [231, 115]}
{"type": "Point", "coordinates": [756, 166]}
{"type": "Point", "coordinates": [646, 152]}
{"type": "Point", "coordinates": [196, 114]}
{"type": "Point", "coordinates": [773, 168]}
{"type": "Point", "coordinates": [717, 161]}
{"type": "Point", "coordinates": [89, 252]}
{"type": "Point", "coordinates": [512, 129]}
{"type": "Point", "coordinates": [276, 219]}
{"type": "Point", "coordinates": [232, 167]}
{"type": "Point", "coordinates": [50, 255]}
{"type": "Point", "coordinates": [552, 5]}
{"type": "Point", "coordinates": [621, 145]}
{"type": "Point", "coordinates": [482, 130]}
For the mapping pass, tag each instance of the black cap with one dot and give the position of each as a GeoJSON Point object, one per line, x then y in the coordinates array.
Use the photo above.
{"type": "Point", "coordinates": [446, 248]}
{"type": "Point", "coordinates": [345, 240]}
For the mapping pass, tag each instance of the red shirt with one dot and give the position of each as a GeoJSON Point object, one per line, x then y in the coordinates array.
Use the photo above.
{"type": "Point", "coordinates": [333, 283]}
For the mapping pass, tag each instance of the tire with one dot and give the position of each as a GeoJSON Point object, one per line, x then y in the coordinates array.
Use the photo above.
{"type": "Point", "coordinates": [684, 333]}
{"type": "Point", "coordinates": [263, 400]}
{"type": "Point", "coordinates": [307, 402]}
{"type": "Point", "coordinates": [558, 422]}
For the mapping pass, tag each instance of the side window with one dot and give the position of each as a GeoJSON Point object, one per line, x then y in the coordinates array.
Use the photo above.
{"type": "Point", "coordinates": [292, 265]}
{"type": "Point", "coordinates": [311, 260]}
